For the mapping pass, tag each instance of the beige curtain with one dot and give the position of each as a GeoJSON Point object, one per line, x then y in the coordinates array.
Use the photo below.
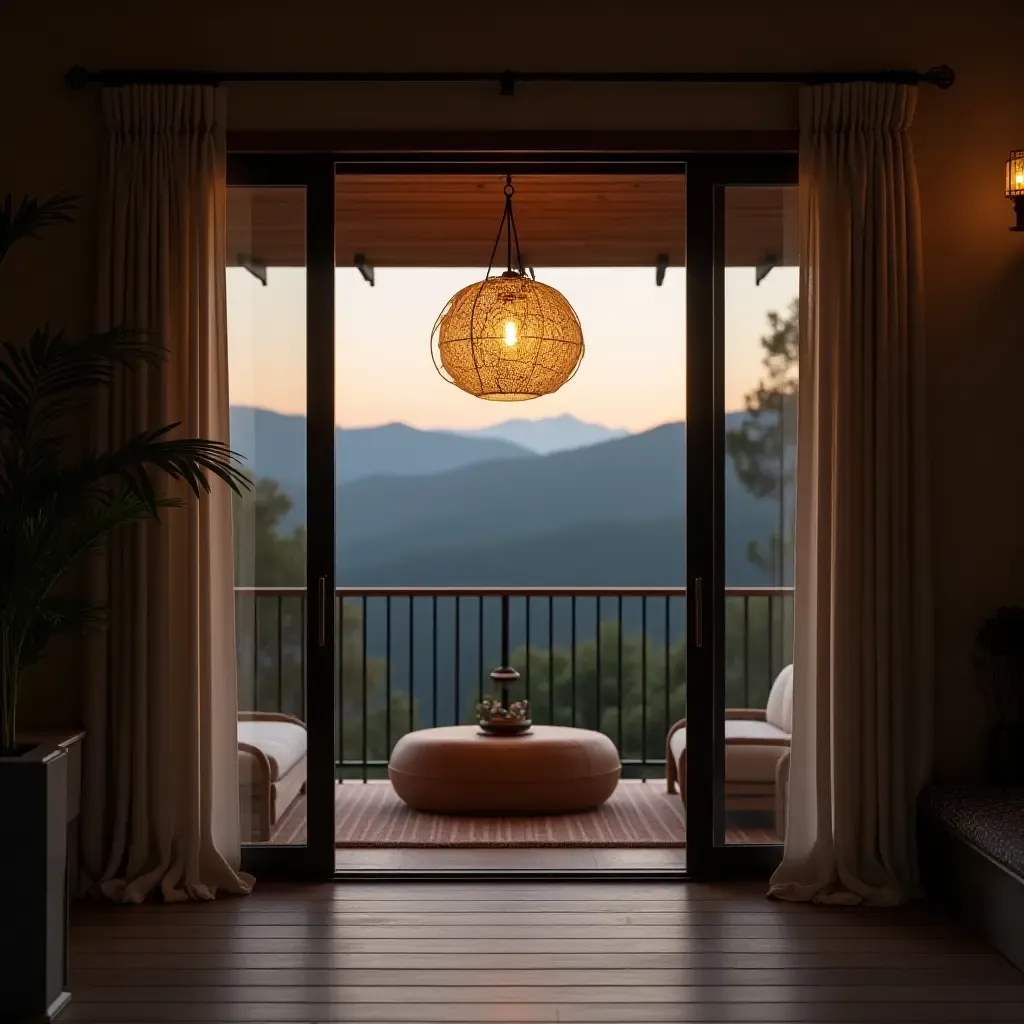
{"type": "Point", "coordinates": [161, 792]}
{"type": "Point", "coordinates": [862, 715]}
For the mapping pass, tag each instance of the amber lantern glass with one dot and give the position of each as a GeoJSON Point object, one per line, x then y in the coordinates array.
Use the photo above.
{"type": "Point", "coordinates": [1015, 186]}
{"type": "Point", "coordinates": [507, 338]}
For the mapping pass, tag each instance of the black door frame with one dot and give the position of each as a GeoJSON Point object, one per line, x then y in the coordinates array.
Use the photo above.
{"type": "Point", "coordinates": [707, 176]}
{"type": "Point", "coordinates": [708, 856]}
{"type": "Point", "coordinates": [314, 174]}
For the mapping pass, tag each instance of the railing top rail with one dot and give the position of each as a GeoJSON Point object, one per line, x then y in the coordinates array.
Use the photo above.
{"type": "Point", "coordinates": [512, 591]}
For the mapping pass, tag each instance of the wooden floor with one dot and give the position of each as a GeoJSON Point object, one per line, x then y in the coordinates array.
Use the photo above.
{"type": "Point", "coordinates": [530, 952]}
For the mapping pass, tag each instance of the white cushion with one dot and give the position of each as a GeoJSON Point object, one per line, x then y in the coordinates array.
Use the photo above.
{"type": "Point", "coordinates": [283, 743]}
{"type": "Point", "coordinates": [779, 711]}
{"type": "Point", "coordinates": [744, 762]}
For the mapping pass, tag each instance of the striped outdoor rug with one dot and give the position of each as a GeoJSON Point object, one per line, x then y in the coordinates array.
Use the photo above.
{"type": "Point", "coordinates": [370, 815]}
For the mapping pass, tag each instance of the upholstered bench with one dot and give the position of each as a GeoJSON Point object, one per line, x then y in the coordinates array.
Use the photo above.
{"type": "Point", "coordinates": [971, 851]}
{"type": "Point", "coordinates": [549, 770]}
{"type": "Point", "coordinates": [271, 770]}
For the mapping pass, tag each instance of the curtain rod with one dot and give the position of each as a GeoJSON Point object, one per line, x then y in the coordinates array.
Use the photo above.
{"type": "Point", "coordinates": [79, 77]}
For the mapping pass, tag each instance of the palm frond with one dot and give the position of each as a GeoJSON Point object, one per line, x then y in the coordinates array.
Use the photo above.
{"type": "Point", "coordinates": [32, 216]}
{"type": "Point", "coordinates": [41, 380]}
{"type": "Point", "coordinates": [48, 549]}
{"type": "Point", "coordinates": [191, 459]}
{"type": "Point", "coordinates": [56, 615]}
{"type": "Point", "coordinates": [33, 509]}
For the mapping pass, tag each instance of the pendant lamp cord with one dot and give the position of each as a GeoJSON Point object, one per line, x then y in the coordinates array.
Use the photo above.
{"type": "Point", "coordinates": [508, 225]}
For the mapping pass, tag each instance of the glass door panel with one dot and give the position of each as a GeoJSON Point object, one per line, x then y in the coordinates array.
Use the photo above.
{"type": "Point", "coordinates": [266, 302]}
{"type": "Point", "coordinates": [568, 510]}
{"type": "Point", "coordinates": [760, 288]}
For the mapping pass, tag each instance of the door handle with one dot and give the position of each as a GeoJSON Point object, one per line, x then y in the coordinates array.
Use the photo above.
{"type": "Point", "coordinates": [698, 611]}
{"type": "Point", "coordinates": [322, 608]}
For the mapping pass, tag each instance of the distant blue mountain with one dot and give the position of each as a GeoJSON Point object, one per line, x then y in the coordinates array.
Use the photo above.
{"type": "Point", "coordinates": [554, 434]}
{"type": "Point", "coordinates": [610, 514]}
{"type": "Point", "coordinates": [274, 445]}
{"type": "Point", "coordinates": [433, 508]}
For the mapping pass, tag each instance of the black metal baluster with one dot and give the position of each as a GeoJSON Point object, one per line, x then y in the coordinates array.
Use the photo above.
{"type": "Point", "coordinates": [412, 669]}
{"type": "Point", "coordinates": [387, 684]}
{"type": "Point", "coordinates": [366, 708]}
{"type": "Point", "coordinates": [256, 652]}
{"type": "Point", "coordinates": [528, 658]}
{"type": "Point", "coordinates": [433, 654]}
{"type": "Point", "coordinates": [597, 621]}
{"type": "Point", "coordinates": [643, 690]}
{"type": "Point", "coordinates": [771, 644]}
{"type": "Point", "coordinates": [618, 661]}
{"type": "Point", "coordinates": [668, 709]}
{"type": "Point", "coordinates": [746, 650]}
{"type": "Point", "coordinates": [573, 669]}
{"type": "Point", "coordinates": [480, 643]}
{"type": "Point", "coordinates": [458, 659]}
{"type": "Point", "coordinates": [668, 624]}
{"type": "Point", "coordinates": [551, 659]}
{"type": "Point", "coordinates": [280, 656]}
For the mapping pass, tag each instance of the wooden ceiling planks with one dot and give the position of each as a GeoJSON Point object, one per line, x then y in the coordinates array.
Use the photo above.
{"type": "Point", "coordinates": [595, 220]}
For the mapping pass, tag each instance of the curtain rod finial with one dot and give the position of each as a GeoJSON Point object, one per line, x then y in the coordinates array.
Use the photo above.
{"type": "Point", "coordinates": [943, 76]}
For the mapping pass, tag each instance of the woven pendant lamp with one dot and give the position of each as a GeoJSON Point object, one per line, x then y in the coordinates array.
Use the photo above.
{"type": "Point", "coordinates": [507, 338]}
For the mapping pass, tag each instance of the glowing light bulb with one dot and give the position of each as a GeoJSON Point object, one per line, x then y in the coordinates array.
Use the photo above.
{"type": "Point", "coordinates": [511, 334]}
{"type": "Point", "coordinates": [1020, 178]}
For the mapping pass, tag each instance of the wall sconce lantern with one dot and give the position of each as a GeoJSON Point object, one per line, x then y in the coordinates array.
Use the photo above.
{"type": "Point", "coordinates": [1015, 186]}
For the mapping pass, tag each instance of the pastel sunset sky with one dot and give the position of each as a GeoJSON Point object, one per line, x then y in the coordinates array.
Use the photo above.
{"type": "Point", "coordinates": [633, 374]}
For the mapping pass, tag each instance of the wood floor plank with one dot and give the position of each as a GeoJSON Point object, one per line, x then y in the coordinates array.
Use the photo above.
{"type": "Point", "coordinates": [282, 912]}
{"type": "Point", "coordinates": [655, 891]}
{"type": "Point", "coordinates": [447, 955]}
{"type": "Point", "coordinates": [426, 933]}
{"type": "Point", "coordinates": [267, 908]}
{"type": "Point", "coordinates": [344, 978]}
{"type": "Point", "coordinates": [286, 925]}
{"type": "Point", "coordinates": [976, 966]}
{"type": "Point", "coordinates": [693, 1013]}
{"type": "Point", "coordinates": [346, 995]}
{"type": "Point", "coordinates": [468, 946]}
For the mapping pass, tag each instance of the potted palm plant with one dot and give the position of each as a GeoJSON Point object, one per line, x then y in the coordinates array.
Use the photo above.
{"type": "Point", "coordinates": [58, 503]}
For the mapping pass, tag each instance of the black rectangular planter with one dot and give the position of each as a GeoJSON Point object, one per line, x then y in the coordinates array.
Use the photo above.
{"type": "Point", "coordinates": [33, 866]}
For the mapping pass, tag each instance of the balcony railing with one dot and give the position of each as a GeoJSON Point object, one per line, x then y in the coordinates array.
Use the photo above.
{"type": "Point", "coordinates": [613, 660]}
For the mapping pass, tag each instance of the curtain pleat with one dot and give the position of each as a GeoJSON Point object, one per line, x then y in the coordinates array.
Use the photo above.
{"type": "Point", "coordinates": [863, 687]}
{"type": "Point", "coordinates": [160, 794]}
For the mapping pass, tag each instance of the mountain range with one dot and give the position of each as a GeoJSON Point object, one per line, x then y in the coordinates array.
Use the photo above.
{"type": "Point", "coordinates": [610, 514]}
{"type": "Point", "coordinates": [439, 508]}
{"type": "Point", "coordinates": [554, 434]}
{"type": "Point", "coordinates": [273, 444]}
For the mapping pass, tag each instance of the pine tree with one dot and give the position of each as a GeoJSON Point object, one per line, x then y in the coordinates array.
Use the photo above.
{"type": "Point", "coordinates": [763, 446]}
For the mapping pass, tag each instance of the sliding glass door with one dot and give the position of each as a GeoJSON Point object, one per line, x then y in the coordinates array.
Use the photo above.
{"type": "Point", "coordinates": [741, 459]}
{"type": "Point", "coordinates": [280, 292]}
{"type": "Point", "coordinates": [683, 666]}
{"type": "Point", "coordinates": [552, 527]}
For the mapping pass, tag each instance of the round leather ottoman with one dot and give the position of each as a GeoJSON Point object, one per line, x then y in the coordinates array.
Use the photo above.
{"type": "Point", "coordinates": [550, 770]}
